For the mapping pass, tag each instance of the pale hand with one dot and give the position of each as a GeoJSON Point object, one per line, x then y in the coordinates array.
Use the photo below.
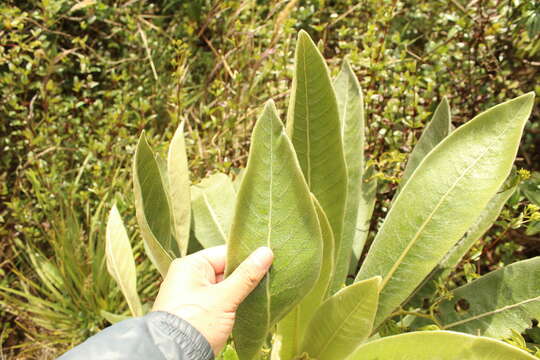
{"type": "Point", "coordinates": [194, 290]}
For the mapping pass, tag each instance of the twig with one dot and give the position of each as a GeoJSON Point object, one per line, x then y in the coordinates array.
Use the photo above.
{"type": "Point", "coordinates": [220, 56]}
{"type": "Point", "coordinates": [148, 53]}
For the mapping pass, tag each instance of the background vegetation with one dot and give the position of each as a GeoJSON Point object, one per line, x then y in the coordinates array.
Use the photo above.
{"type": "Point", "coordinates": [79, 81]}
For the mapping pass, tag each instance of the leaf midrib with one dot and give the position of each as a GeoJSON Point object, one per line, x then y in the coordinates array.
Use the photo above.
{"type": "Point", "coordinates": [270, 214]}
{"type": "Point", "coordinates": [308, 140]}
{"type": "Point", "coordinates": [489, 313]}
{"type": "Point", "coordinates": [394, 267]}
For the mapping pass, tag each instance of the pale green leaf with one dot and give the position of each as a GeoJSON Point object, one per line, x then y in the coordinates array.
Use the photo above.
{"type": "Point", "coordinates": [152, 207]}
{"type": "Point", "coordinates": [315, 129]}
{"type": "Point", "coordinates": [442, 199]}
{"type": "Point", "coordinates": [505, 299]}
{"type": "Point", "coordinates": [293, 326]}
{"type": "Point", "coordinates": [368, 192]}
{"type": "Point", "coordinates": [351, 110]}
{"type": "Point", "coordinates": [482, 224]}
{"type": "Point", "coordinates": [120, 261]}
{"type": "Point", "coordinates": [343, 321]}
{"type": "Point", "coordinates": [179, 191]}
{"type": "Point", "coordinates": [273, 208]}
{"type": "Point", "coordinates": [213, 202]}
{"type": "Point", "coordinates": [238, 179]}
{"type": "Point", "coordinates": [436, 130]}
{"type": "Point", "coordinates": [438, 345]}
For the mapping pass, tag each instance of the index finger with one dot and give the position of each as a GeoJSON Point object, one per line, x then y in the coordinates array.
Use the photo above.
{"type": "Point", "coordinates": [216, 256]}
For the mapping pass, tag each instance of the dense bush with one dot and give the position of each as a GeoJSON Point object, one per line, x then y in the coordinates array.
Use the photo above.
{"type": "Point", "coordinates": [79, 80]}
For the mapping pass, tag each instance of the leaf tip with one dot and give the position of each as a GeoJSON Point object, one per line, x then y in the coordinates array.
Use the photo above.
{"type": "Point", "coordinates": [305, 40]}
{"type": "Point", "coordinates": [525, 101]}
{"type": "Point", "coordinates": [303, 35]}
{"type": "Point", "coordinates": [270, 105]}
{"type": "Point", "coordinates": [445, 102]}
{"type": "Point", "coordinates": [346, 65]}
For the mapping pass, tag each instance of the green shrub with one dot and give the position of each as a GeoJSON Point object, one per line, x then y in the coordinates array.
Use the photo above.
{"type": "Point", "coordinates": [78, 83]}
{"type": "Point", "coordinates": [297, 194]}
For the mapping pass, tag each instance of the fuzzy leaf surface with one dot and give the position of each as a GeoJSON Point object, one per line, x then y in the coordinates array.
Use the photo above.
{"type": "Point", "coordinates": [120, 261]}
{"type": "Point", "coordinates": [293, 326]}
{"type": "Point", "coordinates": [505, 299]}
{"type": "Point", "coordinates": [439, 345]}
{"type": "Point", "coordinates": [179, 192]}
{"type": "Point", "coordinates": [315, 129]}
{"type": "Point", "coordinates": [274, 208]}
{"type": "Point", "coordinates": [152, 207]}
{"type": "Point", "coordinates": [213, 202]}
{"type": "Point", "coordinates": [442, 199]}
{"type": "Point", "coordinates": [368, 195]}
{"type": "Point", "coordinates": [436, 130]}
{"type": "Point", "coordinates": [482, 224]}
{"type": "Point", "coordinates": [351, 110]}
{"type": "Point", "coordinates": [343, 321]}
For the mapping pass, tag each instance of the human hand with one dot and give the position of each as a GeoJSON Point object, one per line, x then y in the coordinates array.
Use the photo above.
{"type": "Point", "coordinates": [194, 290]}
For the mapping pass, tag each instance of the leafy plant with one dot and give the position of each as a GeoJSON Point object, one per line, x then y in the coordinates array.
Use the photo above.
{"type": "Point", "coordinates": [60, 302]}
{"type": "Point", "coordinates": [301, 184]}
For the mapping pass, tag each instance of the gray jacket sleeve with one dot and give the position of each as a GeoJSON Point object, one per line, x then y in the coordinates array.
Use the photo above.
{"type": "Point", "coordinates": [156, 336]}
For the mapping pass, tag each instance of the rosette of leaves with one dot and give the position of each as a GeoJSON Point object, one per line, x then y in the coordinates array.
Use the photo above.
{"type": "Point", "coordinates": [305, 194]}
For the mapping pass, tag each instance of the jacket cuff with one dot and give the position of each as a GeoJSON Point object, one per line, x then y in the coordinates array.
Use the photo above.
{"type": "Point", "coordinates": [192, 343]}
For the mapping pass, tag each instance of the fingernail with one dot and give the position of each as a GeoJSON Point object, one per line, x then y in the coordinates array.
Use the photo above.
{"type": "Point", "coordinates": [263, 257]}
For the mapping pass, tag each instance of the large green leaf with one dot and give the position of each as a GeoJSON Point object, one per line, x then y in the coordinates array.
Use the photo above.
{"type": "Point", "coordinates": [496, 303]}
{"type": "Point", "coordinates": [343, 321]}
{"type": "Point", "coordinates": [179, 192]}
{"type": "Point", "coordinates": [482, 224]}
{"type": "Point", "coordinates": [368, 192]}
{"type": "Point", "coordinates": [120, 261]}
{"type": "Point", "coordinates": [273, 208]}
{"type": "Point", "coordinates": [152, 207]}
{"type": "Point", "coordinates": [292, 327]}
{"type": "Point", "coordinates": [315, 129]}
{"type": "Point", "coordinates": [442, 199]}
{"type": "Point", "coordinates": [438, 345]}
{"type": "Point", "coordinates": [436, 130]}
{"type": "Point", "coordinates": [351, 111]}
{"type": "Point", "coordinates": [213, 208]}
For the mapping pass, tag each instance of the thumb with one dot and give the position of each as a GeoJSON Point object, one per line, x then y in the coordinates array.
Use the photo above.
{"type": "Point", "coordinates": [247, 276]}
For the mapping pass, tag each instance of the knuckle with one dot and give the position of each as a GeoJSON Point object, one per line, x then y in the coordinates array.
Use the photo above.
{"type": "Point", "coordinates": [250, 277]}
{"type": "Point", "coordinates": [177, 263]}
